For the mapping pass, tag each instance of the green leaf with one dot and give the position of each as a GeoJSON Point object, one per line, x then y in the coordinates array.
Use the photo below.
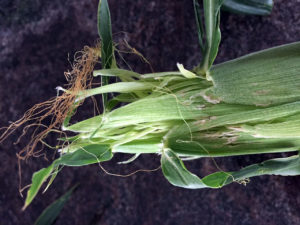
{"type": "Point", "coordinates": [105, 33]}
{"type": "Point", "coordinates": [50, 214]}
{"type": "Point", "coordinates": [254, 7]}
{"type": "Point", "coordinates": [199, 24]}
{"type": "Point", "coordinates": [52, 178]}
{"type": "Point", "coordinates": [264, 78]}
{"type": "Point", "coordinates": [210, 43]}
{"type": "Point", "coordinates": [86, 155]}
{"type": "Point", "coordinates": [176, 173]}
{"type": "Point", "coordinates": [281, 166]}
{"type": "Point", "coordinates": [38, 179]}
{"type": "Point", "coordinates": [217, 180]}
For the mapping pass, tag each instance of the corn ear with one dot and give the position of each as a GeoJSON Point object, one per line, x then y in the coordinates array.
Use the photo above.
{"type": "Point", "coordinates": [251, 105]}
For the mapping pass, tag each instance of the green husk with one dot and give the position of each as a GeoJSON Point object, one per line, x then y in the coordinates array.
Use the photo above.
{"type": "Point", "coordinates": [264, 78]}
{"type": "Point", "coordinates": [182, 113]}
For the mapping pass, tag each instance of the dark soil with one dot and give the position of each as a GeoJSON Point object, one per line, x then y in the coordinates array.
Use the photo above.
{"type": "Point", "coordinates": [35, 40]}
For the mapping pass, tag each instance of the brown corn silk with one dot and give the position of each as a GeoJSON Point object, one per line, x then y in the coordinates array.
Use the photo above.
{"type": "Point", "coordinates": [56, 108]}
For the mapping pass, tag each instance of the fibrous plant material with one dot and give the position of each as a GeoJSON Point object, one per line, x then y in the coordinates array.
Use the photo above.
{"type": "Point", "coordinates": [58, 108]}
{"type": "Point", "coordinates": [250, 105]}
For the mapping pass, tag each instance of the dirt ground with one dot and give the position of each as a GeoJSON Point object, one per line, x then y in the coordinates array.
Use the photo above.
{"type": "Point", "coordinates": [37, 38]}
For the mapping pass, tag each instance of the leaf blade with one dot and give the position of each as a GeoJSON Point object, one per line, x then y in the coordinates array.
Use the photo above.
{"type": "Point", "coordinates": [105, 33]}
{"type": "Point", "coordinates": [86, 155]}
{"type": "Point", "coordinates": [209, 42]}
{"type": "Point", "coordinates": [176, 173]}
{"type": "Point", "coordinates": [250, 7]}
{"type": "Point", "coordinates": [50, 214]}
{"type": "Point", "coordinates": [38, 179]}
{"type": "Point", "coordinates": [289, 166]}
{"type": "Point", "coordinates": [90, 154]}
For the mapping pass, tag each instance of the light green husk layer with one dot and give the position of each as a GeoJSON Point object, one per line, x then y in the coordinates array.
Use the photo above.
{"type": "Point", "coordinates": [251, 105]}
